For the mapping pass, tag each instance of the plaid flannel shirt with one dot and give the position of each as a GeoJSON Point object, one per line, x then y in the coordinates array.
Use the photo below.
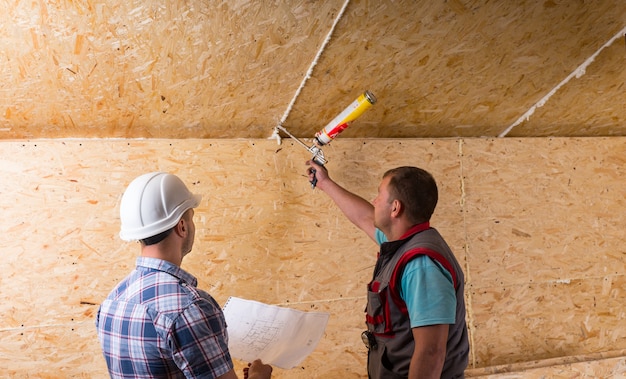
{"type": "Point", "coordinates": [156, 323]}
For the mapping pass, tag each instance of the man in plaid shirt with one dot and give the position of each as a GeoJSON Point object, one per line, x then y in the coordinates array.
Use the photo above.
{"type": "Point", "coordinates": [156, 323]}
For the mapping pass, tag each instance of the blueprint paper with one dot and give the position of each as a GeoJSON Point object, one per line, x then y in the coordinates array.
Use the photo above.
{"type": "Point", "coordinates": [279, 336]}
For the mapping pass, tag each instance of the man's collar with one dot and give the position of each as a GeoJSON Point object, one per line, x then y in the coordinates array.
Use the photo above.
{"type": "Point", "coordinates": [168, 267]}
{"type": "Point", "coordinates": [416, 229]}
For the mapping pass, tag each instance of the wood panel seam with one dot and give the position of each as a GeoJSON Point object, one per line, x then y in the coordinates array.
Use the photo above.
{"type": "Point", "coordinates": [578, 72]}
{"type": "Point", "coordinates": [468, 298]}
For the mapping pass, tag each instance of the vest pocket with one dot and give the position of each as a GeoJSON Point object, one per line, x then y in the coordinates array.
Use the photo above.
{"type": "Point", "coordinates": [377, 294]}
{"type": "Point", "coordinates": [387, 367]}
{"type": "Point", "coordinates": [380, 366]}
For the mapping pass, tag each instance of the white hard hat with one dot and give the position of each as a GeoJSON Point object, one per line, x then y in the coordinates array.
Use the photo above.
{"type": "Point", "coordinates": [152, 204]}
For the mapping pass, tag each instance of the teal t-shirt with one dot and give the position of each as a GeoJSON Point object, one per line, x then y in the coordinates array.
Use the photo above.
{"type": "Point", "coordinates": [427, 289]}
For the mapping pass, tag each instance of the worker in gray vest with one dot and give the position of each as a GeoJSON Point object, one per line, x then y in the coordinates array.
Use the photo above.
{"type": "Point", "coordinates": [415, 312]}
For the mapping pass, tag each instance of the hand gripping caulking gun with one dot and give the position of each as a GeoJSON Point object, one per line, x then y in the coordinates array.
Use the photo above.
{"type": "Point", "coordinates": [336, 126]}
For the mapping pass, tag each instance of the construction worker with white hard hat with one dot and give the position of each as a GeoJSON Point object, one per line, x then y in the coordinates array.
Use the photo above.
{"type": "Point", "coordinates": [156, 322]}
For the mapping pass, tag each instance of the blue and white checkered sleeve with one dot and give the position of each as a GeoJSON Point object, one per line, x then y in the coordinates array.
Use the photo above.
{"type": "Point", "coordinates": [200, 341]}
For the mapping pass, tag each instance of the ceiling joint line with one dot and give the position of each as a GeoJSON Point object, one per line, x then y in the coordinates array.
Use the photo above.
{"type": "Point", "coordinates": [577, 73]}
{"type": "Point", "coordinates": [309, 71]}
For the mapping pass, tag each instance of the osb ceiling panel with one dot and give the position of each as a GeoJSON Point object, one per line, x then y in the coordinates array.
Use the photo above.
{"type": "Point", "coordinates": [238, 69]}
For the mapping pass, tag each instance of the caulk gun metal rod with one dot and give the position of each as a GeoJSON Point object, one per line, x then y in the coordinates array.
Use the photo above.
{"type": "Point", "coordinates": [294, 138]}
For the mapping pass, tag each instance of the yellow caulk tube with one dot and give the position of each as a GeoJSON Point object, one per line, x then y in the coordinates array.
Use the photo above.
{"type": "Point", "coordinates": [343, 120]}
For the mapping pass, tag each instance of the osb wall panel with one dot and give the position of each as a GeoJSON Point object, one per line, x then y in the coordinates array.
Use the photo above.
{"type": "Point", "coordinates": [546, 243]}
{"type": "Point", "coordinates": [235, 69]}
{"type": "Point", "coordinates": [606, 365]}
{"type": "Point", "coordinates": [51, 351]}
{"type": "Point", "coordinates": [459, 68]}
{"type": "Point", "coordinates": [564, 110]}
{"type": "Point", "coordinates": [264, 234]}
{"type": "Point", "coordinates": [154, 68]}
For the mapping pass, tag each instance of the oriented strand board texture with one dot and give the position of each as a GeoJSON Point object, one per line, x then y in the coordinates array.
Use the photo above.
{"type": "Point", "coordinates": [235, 69]}
{"type": "Point", "coordinates": [471, 68]}
{"type": "Point", "coordinates": [537, 224]}
{"type": "Point", "coordinates": [601, 365]}
{"type": "Point", "coordinates": [584, 106]}
{"type": "Point", "coordinates": [547, 247]}
{"type": "Point", "coordinates": [156, 69]}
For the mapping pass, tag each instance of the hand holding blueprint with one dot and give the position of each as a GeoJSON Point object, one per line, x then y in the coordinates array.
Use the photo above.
{"type": "Point", "coordinates": [282, 337]}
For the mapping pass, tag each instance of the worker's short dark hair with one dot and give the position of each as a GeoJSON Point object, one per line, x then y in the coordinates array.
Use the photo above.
{"type": "Point", "coordinates": [416, 189]}
{"type": "Point", "coordinates": [157, 238]}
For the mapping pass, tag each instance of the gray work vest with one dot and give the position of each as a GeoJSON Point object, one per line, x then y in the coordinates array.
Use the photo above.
{"type": "Point", "coordinates": [387, 316]}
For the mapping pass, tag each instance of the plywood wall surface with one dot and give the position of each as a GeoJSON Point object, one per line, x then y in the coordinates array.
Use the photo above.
{"type": "Point", "coordinates": [545, 246]}
{"type": "Point", "coordinates": [568, 107]}
{"type": "Point", "coordinates": [455, 68]}
{"type": "Point", "coordinates": [152, 68]}
{"type": "Point", "coordinates": [536, 223]}
{"type": "Point", "coordinates": [607, 365]}
{"type": "Point", "coordinates": [237, 69]}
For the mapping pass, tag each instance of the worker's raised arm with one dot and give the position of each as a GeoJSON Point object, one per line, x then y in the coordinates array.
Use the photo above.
{"type": "Point", "coordinates": [358, 210]}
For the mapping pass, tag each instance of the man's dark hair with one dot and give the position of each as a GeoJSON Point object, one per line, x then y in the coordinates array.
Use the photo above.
{"type": "Point", "coordinates": [416, 189]}
{"type": "Point", "coordinates": [156, 239]}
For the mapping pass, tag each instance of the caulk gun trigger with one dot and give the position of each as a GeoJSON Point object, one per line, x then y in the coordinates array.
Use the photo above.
{"type": "Point", "coordinates": [313, 171]}
{"type": "Point", "coordinates": [314, 180]}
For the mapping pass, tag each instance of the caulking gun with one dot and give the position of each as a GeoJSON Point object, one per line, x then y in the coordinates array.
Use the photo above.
{"type": "Point", "coordinates": [333, 128]}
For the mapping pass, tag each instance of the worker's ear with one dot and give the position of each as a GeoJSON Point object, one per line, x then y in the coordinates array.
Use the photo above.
{"type": "Point", "coordinates": [396, 208]}
{"type": "Point", "coordinates": [181, 228]}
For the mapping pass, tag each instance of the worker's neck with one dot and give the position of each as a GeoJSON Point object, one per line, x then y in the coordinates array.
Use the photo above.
{"type": "Point", "coordinates": [165, 250]}
{"type": "Point", "coordinates": [398, 229]}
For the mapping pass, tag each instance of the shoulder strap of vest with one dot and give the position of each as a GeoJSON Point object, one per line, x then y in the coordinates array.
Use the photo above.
{"type": "Point", "coordinates": [408, 256]}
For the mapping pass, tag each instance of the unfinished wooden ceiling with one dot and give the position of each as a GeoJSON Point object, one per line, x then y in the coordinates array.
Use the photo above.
{"type": "Point", "coordinates": [239, 68]}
